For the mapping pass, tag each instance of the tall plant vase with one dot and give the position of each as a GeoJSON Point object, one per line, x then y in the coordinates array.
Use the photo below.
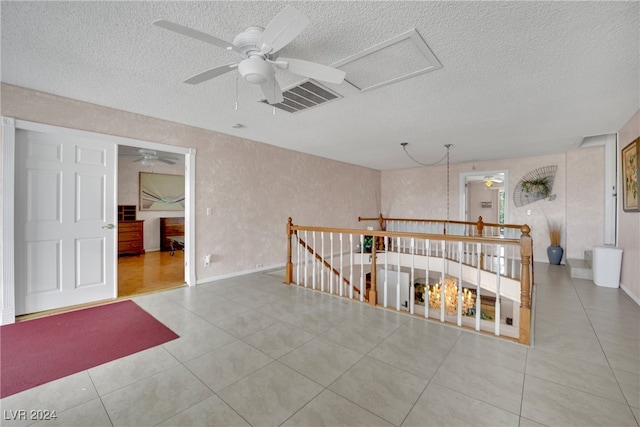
{"type": "Point", "coordinates": [554, 253]}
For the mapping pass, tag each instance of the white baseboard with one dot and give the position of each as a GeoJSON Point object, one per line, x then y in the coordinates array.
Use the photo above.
{"type": "Point", "coordinates": [629, 294]}
{"type": "Point", "coordinates": [8, 316]}
{"type": "Point", "coordinates": [238, 273]}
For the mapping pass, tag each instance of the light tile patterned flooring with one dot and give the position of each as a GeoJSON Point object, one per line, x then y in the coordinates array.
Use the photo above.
{"type": "Point", "coordinates": [253, 351]}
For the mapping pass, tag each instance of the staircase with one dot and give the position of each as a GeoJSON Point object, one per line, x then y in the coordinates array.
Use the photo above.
{"type": "Point", "coordinates": [581, 268]}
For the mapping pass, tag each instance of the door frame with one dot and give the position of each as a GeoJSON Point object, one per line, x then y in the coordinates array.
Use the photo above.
{"type": "Point", "coordinates": [9, 126]}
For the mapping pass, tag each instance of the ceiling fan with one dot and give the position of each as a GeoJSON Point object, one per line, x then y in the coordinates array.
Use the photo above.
{"type": "Point", "coordinates": [147, 157]}
{"type": "Point", "coordinates": [490, 180]}
{"type": "Point", "coordinates": [257, 50]}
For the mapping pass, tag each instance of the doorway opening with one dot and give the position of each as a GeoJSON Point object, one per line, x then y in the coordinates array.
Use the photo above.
{"type": "Point", "coordinates": [151, 234]}
{"type": "Point", "coordinates": [483, 194]}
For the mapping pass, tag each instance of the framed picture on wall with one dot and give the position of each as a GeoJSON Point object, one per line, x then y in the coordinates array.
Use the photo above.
{"type": "Point", "coordinates": [630, 172]}
{"type": "Point", "coordinates": [161, 192]}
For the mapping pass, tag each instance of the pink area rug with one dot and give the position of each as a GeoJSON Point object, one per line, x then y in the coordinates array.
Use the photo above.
{"type": "Point", "coordinates": [35, 352]}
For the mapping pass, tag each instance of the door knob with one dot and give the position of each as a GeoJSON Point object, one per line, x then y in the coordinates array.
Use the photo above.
{"type": "Point", "coordinates": [109, 226]}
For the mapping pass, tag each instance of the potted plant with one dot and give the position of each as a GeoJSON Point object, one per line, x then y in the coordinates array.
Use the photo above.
{"type": "Point", "coordinates": [554, 251]}
{"type": "Point", "coordinates": [538, 186]}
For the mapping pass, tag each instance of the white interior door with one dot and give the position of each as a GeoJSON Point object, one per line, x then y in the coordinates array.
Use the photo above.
{"type": "Point", "coordinates": [65, 218]}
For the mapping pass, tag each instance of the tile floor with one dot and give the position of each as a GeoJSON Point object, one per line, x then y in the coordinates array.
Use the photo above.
{"type": "Point", "coordinates": [256, 352]}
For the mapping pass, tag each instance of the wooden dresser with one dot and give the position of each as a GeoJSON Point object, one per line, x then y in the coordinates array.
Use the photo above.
{"type": "Point", "coordinates": [170, 227]}
{"type": "Point", "coordinates": [130, 231]}
{"type": "Point", "coordinates": [131, 237]}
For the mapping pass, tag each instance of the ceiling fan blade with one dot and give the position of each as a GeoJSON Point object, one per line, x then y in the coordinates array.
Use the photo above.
{"type": "Point", "coordinates": [210, 74]}
{"type": "Point", "coordinates": [282, 29]}
{"type": "Point", "coordinates": [138, 160]}
{"type": "Point", "coordinates": [198, 35]}
{"type": "Point", "coordinates": [312, 70]}
{"type": "Point", "coordinates": [272, 91]}
{"type": "Point", "coordinates": [169, 162]}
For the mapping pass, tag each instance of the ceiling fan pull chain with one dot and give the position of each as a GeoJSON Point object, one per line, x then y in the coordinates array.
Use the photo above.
{"type": "Point", "coordinates": [236, 91]}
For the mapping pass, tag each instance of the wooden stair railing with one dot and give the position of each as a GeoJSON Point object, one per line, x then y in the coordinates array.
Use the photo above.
{"type": "Point", "coordinates": [525, 244]}
{"type": "Point", "coordinates": [324, 262]}
{"type": "Point", "coordinates": [480, 225]}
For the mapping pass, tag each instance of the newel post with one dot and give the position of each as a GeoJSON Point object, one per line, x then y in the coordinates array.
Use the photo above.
{"type": "Point", "coordinates": [480, 230]}
{"type": "Point", "coordinates": [289, 272]}
{"type": "Point", "coordinates": [526, 250]}
{"type": "Point", "coordinates": [373, 292]}
{"type": "Point", "coordinates": [480, 226]}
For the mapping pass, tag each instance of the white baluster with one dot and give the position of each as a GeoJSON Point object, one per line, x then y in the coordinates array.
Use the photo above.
{"type": "Point", "coordinates": [412, 291]}
{"type": "Point", "coordinates": [322, 269]}
{"type": "Point", "coordinates": [350, 268]}
{"type": "Point", "coordinates": [398, 281]}
{"type": "Point", "coordinates": [341, 278]}
{"type": "Point", "coordinates": [427, 245]}
{"type": "Point", "coordinates": [306, 258]}
{"type": "Point", "coordinates": [478, 287]}
{"type": "Point", "coordinates": [498, 298]}
{"type": "Point", "coordinates": [332, 263]}
{"type": "Point", "coordinates": [297, 260]}
{"type": "Point", "coordinates": [460, 284]}
{"type": "Point", "coordinates": [444, 283]}
{"type": "Point", "coordinates": [362, 281]}
{"type": "Point", "coordinates": [386, 269]}
{"type": "Point", "coordinates": [313, 279]}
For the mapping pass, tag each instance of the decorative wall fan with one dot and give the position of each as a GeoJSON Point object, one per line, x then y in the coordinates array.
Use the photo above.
{"type": "Point", "coordinates": [257, 51]}
{"type": "Point", "coordinates": [535, 185]}
{"type": "Point", "coordinates": [147, 157]}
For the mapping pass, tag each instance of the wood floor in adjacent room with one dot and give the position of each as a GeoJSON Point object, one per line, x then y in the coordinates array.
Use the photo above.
{"type": "Point", "coordinates": [150, 272]}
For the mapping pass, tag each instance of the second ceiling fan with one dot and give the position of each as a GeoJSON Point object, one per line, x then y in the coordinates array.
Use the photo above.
{"type": "Point", "coordinates": [257, 51]}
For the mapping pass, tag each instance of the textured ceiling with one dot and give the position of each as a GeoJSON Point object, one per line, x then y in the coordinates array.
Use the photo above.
{"type": "Point", "coordinates": [518, 78]}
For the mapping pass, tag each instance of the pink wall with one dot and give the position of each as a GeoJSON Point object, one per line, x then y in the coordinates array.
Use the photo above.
{"type": "Point", "coordinates": [421, 193]}
{"type": "Point", "coordinates": [629, 222]}
{"type": "Point", "coordinates": [585, 200]}
{"type": "Point", "coordinates": [251, 187]}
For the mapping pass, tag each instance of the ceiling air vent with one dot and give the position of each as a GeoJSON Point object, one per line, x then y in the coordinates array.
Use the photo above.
{"type": "Point", "coordinates": [304, 96]}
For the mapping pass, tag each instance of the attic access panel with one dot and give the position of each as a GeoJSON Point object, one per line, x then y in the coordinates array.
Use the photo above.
{"type": "Point", "coordinates": [401, 57]}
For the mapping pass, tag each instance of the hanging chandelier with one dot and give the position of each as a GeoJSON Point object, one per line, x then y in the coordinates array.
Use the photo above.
{"type": "Point", "coordinates": [450, 296]}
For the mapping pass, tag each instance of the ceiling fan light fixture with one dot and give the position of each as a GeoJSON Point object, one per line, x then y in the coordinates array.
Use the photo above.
{"type": "Point", "coordinates": [490, 180]}
{"type": "Point", "coordinates": [255, 70]}
{"type": "Point", "coordinates": [147, 162]}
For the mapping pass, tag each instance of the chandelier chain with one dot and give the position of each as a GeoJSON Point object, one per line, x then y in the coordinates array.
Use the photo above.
{"type": "Point", "coordinates": [448, 146]}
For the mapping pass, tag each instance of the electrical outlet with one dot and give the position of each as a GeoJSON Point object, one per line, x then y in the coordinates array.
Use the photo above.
{"type": "Point", "coordinates": [259, 265]}
{"type": "Point", "coordinates": [207, 260]}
